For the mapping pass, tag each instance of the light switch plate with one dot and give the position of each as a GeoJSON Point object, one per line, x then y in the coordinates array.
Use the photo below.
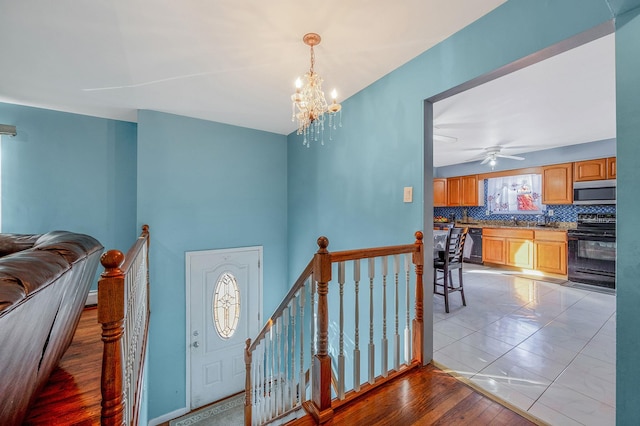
{"type": "Point", "coordinates": [408, 194]}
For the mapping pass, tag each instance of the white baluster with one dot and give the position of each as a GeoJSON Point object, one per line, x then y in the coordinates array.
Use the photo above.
{"type": "Point", "coordinates": [372, 347]}
{"type": "Point", "coordinates": [385, 344]}
{"type": "Point", "coordinates": [407, 330]}
{"type": "Point", "coordinates": [292, 355]}
{"type": "Point", "coordinates": [284, 360]}
{"type": "Point", "coordinates": [302, 385]}
{"type": "Point", "coordinates": [341, 344]}
{"type": "Point", "coordinates": [356, 350]}
{"type": "Point", "coordinates": [396, 336]}
{"type": "Point", "coordinates": [312, 299]}
{"type": "Point", "coordinates": [272, 378]}
{"type": "Point", "coordinates": [267, 382]}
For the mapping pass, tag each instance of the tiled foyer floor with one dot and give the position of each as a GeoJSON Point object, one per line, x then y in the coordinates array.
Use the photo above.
{"type": "Point", "coordinates": [545, 348]}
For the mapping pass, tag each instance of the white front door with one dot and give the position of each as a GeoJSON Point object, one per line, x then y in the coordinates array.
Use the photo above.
{"type": "Point", "coordinates": [224, 299]}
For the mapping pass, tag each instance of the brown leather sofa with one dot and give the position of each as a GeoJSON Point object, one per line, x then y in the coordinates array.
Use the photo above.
{"type": "Point", "coordinates": [44, 283]}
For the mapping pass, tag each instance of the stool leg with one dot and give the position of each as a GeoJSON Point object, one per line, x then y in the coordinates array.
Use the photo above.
{"type": "Point", "coordinates": [445, 280]}
{"type": "Point", "coordinates": [464, 302]}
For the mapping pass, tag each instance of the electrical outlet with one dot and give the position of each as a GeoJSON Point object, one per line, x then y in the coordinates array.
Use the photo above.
{"type": "Point", "coordinates": [550, 212]}
{"type": "Point", "coordinates": [487, 213]}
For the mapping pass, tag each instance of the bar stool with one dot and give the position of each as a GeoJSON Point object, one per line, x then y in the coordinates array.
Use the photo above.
{"type": "Point", "coordinates": [451, 260]}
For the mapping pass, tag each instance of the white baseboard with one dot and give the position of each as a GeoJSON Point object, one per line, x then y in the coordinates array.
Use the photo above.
{"type": "Point", "coordinates": [92, 298]}
{"type": "Point", "coordinates": [168, 417]}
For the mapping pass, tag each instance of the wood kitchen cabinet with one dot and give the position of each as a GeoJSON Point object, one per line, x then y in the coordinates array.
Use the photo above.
{"type": "Point", "coordinates": [519, 253]}
{"type": "Point", "coordinates": [590, 170]}
{"type": "Point", "coordinates": [493, 249]}
{"type": "Point", "coordinates": [462, 191]}
{"type": "Point", "coordinates": [540, 250]}
{"type": "Point", "coordinates": [551, 251]}
{"type": "Point", "coordinates": [611, 168]}
{"type": "Point", "coordinates": [519, 247]}
{"type": "Point", "coordinates": [508, 246]}
{"type": "Point", "coordinates": [439, 192]}
{"type": "Point", "coordinates": [469, 191]}
{"type": "Point", "coordinates": [557, 184]}
{"type": "Point", "coordinates": [454, 190]}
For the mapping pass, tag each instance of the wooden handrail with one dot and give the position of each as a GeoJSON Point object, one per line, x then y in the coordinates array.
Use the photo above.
{"type": "Point", "coordinates": [113, 311]}
{"type": "Point", "coordinates": [343, 256]}
{"type": "Point", "coordinates": [297, 286]}
{"type": "Point", "coordinates": [135, 249]}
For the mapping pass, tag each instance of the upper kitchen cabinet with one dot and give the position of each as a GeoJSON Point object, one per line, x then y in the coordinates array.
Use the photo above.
{"type": "Point", "coordinates": [590, 170]}
{"type": "Point", "coordinates": [557, 184]}
{"type": "Point", "coordinates": [611, 168]}
{"type": "Point", "coordinates": [439, 192]}
{"type": "Point", "coordinates": [598, 169]}
{"type": "Point", "coordinates": [462, 191]}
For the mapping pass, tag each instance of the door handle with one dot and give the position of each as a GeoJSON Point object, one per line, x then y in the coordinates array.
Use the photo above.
{"type": "Point", "coordinates": [196, 344]}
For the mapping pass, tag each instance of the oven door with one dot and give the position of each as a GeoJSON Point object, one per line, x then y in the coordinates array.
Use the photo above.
{"type": "Point", "coordinates": [592, 259]}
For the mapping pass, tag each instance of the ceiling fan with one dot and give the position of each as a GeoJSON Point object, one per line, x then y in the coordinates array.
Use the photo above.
{"type": "Point", "coordinates": [493, 153]}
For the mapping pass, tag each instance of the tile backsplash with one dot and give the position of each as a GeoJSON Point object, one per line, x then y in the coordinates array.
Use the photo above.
{"type": "Point", "coordinates": [561, 212]}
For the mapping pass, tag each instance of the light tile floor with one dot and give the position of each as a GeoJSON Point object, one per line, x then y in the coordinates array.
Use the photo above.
{"type": "Point", "coordinates": [546, 348]}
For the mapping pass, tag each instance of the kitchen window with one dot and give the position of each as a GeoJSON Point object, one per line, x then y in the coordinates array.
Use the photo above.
{"type": "Point", "coordinates": [519, 194]}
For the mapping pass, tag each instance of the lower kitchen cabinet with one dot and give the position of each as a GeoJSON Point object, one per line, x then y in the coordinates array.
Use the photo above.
{"type": "Point", "coordinates": [551, 252]}
{"type": "Point", "coordinates": [519, 253]}
{"type": "Point", "coordinates": [508, 246]}
{"type": "Point", "coordinates": [493, 249]}
{"type": "Point", "coordinates": [543, 250]}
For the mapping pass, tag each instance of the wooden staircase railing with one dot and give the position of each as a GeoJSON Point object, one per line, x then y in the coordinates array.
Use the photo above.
{"type": "Point", "coordinates": [307, 332]}
{"type": "Point", "coordinates": [123, 310]}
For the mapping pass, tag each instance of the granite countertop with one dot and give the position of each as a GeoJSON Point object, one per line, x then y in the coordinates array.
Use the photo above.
{"type": "Point", "coordinates": [553, 226]}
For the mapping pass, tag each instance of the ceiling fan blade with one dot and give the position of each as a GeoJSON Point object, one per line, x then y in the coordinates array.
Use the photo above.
{"type": "Point", "coordinates": [512, 157]}
{"type": "Point", "coordinates": [486, 160]}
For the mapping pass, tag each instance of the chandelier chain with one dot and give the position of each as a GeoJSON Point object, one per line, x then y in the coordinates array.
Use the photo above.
{"type": "Point", "coordinates": [313, 60]}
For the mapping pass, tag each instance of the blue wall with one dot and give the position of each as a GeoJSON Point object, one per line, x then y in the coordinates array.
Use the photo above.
{"type": "Point", "coordinates": [204, 185]}
{"type": "Point", "coordinates": [71, 172]}
{"type": "Point", "coordinates": [628, 253]}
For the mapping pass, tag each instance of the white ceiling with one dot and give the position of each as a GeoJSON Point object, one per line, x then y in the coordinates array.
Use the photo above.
{"type": "Point", "coordinates": [225, 60]}
{"type": "Point", "coordinates": [564, 100]}
{"type": "Point", "coordinates": [235, 62]}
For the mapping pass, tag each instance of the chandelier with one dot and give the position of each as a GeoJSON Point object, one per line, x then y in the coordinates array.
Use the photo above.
{"type": "Point", "coordinates": [309, 106]}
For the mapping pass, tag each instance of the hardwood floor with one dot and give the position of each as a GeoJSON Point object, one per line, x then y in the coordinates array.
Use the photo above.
{"type": "Point", "coordinates": [424, 396]}
{"type": "Point", "coordinates": [72, 394]}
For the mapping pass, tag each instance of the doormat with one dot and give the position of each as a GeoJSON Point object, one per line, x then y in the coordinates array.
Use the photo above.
{"type": "Point", "coordinates": [228, 412]}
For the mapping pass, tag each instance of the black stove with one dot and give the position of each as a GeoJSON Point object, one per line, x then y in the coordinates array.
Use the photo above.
{"type": "Point", "coordinates": [592, 250]}
{"type": "Point", "coordinates": [596, 224]}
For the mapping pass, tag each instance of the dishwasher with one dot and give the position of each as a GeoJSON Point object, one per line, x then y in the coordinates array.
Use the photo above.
{"type": "Point", "coordinates": [473, 246]}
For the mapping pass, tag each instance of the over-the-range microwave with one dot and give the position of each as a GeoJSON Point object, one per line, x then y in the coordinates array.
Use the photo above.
{"type": "Point", "coordinates": [595, 192]}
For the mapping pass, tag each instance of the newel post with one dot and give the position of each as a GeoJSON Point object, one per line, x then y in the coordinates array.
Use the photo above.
{"type": "Point", "coordinates": [418, 322]}
{"type": "Point", "coordinates": [321, 392]}
{"type": "Point", "coordinates": [111, 315]}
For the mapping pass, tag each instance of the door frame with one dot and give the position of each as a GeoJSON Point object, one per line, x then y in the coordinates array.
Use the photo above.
{"type": "Point", "coordinates": [188, 255]}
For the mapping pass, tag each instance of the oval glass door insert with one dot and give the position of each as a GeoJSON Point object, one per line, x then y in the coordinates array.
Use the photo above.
{"type": "Point", "coordinates": [226, 305]}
